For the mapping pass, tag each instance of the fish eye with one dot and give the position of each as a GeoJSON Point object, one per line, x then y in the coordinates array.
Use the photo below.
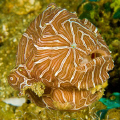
{"type": "Point", "coordinates": [12, 78]}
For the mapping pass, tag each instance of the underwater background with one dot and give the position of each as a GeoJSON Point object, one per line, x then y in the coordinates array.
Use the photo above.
{"type": "Point", "coordinates": [15, 17]}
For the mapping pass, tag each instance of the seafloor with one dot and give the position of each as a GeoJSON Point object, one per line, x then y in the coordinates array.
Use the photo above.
{"type": "Point", "coordinates": [15, 17]}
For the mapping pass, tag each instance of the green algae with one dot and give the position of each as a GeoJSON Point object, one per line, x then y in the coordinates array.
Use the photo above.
{"type": "Point", "coordinates": [107, 7]}
{"type": "Point", "coordinates": [113, 101]}
{"type": "Point", "coordinates": [117, 14]}
{"type": "Point", "coordinates": [116, 7]}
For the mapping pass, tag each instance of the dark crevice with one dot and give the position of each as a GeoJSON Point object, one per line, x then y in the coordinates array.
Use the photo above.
{"type": "Point", "coordinates": [1, 44]}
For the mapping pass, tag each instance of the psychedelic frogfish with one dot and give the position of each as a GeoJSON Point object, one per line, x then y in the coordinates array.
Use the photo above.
{"type": "Point", "coordinates": [62, 61]}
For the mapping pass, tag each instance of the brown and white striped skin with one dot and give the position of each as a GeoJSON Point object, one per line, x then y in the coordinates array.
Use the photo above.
{"type": "Point", "coordinates": [67, 54]}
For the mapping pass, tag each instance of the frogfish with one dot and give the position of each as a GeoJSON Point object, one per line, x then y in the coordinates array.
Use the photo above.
{"type": "Point", "coordinates": [62, 62]}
